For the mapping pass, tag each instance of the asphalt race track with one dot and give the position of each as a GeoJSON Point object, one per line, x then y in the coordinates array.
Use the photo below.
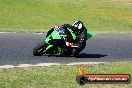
{"type": "Point", "coordinates": [16, 48]}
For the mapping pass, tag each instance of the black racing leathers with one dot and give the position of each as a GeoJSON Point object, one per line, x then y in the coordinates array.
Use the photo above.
{"type": "Point", "coordinates": [80, 40]}
{"type": "Point", "coordinates": [69, 35]}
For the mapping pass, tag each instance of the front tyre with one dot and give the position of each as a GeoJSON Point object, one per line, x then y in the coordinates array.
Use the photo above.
{"type": "Point", "coordinates": [39, 49]}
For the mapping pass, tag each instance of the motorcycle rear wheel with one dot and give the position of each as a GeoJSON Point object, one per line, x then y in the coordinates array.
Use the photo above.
{"type": "Point", "coordinates": [39, 49]}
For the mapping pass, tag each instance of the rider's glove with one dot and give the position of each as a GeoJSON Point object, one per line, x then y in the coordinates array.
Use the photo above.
{"type": "Point", "coordinates": [69, 44]}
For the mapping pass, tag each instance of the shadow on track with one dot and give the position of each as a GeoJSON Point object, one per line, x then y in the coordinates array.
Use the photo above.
{"type": "Point", "coordinates": [84, 55]}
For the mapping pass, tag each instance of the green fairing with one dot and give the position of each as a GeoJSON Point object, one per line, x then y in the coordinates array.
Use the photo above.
{"type": "Point", "coordinates": [89, 34]}
{"type": "Point", "coordinates": [53, 35]}
{"type": "Point", "coordinates": [72, 33]}
{"type": "Point", "coordinates": [47, 39]}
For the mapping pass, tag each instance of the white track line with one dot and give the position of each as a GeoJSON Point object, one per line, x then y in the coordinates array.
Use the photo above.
{"type": "Point", "coordinates": [47, 64]}
{"type": "Point", "coordinates": [7, 32]}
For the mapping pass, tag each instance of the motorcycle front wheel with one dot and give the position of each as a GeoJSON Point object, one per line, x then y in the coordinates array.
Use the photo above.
{"type": "Point", "coordinates": [39, 49]}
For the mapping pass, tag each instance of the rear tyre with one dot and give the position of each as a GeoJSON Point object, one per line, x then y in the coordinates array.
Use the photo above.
{"type": "Point", "coordinates": [74, 52]}
{"type": "Point", "coordinates": [39, 49]}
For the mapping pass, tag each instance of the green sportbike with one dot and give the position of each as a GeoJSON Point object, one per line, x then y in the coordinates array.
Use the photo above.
{"type": "Point", "coordinates": [56, 44]}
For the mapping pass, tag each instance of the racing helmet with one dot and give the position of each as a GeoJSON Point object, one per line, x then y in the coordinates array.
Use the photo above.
{"type": "Point", "coordinates": [78, 25]}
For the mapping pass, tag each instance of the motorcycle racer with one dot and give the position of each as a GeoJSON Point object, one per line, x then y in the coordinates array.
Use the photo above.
{"type": "Point", "coordinates": [80, 32]}
{"type": "Point", "coordinates": [64, 40]}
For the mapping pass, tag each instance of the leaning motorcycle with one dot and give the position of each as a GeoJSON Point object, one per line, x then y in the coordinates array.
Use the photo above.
{"type": "Point", "coordinates": [56, 44]}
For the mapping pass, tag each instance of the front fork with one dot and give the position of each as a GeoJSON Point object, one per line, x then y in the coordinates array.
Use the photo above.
{"type": "Point", "coordinates": [49, 46]}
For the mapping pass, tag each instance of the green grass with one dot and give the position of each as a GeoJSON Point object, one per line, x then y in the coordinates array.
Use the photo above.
{"type": "Point", "coordinates": [99, 16]}
{"type": "Point", "coordinates": [60, 76]}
